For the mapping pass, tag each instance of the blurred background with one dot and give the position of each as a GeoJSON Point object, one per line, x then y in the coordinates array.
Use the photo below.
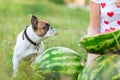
{"type": "Point", "coordinates": [70, 18]}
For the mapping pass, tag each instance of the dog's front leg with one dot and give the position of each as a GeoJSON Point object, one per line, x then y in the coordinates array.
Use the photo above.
{"type": "Point", "coordinates": [15, 66]}
{"type": "Point", "coordinates": [41, 48]}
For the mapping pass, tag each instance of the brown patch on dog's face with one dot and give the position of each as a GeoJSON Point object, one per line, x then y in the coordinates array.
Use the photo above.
{"type": "Point", "coordinates": [40, 27]}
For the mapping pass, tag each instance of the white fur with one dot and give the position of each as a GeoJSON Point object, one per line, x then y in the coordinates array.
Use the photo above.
{"type": "Point", "coordinates": [24, 48]}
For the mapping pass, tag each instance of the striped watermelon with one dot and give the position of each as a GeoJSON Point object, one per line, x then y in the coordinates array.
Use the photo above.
{"type": "Point", "coordinates": [101, 43]}
{"type": "Point", "coordinates": [106, 67]}
{"type": "Point", "coordinates": [58, 63]}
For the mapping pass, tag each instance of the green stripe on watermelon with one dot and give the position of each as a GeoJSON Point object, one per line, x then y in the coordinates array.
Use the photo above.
{"type": "Point", "coordinates": [59, 61]}
{"type": "Point", "coordinates": [102, 43]}
{"type": "Point", "coordinates": [54, 58]}
{"type": "Point", "coordinates": [57, 52]}
{"type": "Point", "coordinates": [106, 67]}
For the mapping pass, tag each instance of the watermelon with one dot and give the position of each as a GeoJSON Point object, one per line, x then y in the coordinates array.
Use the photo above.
{"type": "Point", "coordinates": [58, 63]}
{"type": "Point", "coordinates": [101, 43]}
{"type": "Point", "coordinates": [106, 67]}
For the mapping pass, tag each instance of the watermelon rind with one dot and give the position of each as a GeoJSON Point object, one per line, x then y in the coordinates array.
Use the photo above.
{"type": "Point", "coordinates": [101, 43]}
{"type": "Point", "coordinates": [58, 62]}
{"type": "Point", "coordinates": [106, 67]}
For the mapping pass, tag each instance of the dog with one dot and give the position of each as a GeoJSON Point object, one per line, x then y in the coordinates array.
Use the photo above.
{"type": "Point", "coordinates": [29, 41]}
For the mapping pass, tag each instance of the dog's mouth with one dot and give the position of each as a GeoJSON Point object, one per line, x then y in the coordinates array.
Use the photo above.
{"type": "Point", "coordinates": [52, 31]}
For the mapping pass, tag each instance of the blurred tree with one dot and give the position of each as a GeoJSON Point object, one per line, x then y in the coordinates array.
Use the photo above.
{"type": "Point", "coordinates": [87, 2]}
{"type": "Point", "coordinates": [57, 1]}
{"type": "Point", "coordinates": [77, 2]}
{"type": "Point", "coordinates": [68, 1]}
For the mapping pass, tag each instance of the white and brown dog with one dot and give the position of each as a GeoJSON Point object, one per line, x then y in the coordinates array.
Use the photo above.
{"type": "Point", "coordinates": [29, 41]}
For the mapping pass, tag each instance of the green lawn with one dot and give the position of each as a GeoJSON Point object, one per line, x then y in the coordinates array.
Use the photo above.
{"type": "Point", "coordinates": [70, 24]}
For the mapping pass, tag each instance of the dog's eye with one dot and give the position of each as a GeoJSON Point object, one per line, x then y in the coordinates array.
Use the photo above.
{"type": "Point", "coordinates": [47, 24]}
{"type": "Point", "coordinates": [46, 27]}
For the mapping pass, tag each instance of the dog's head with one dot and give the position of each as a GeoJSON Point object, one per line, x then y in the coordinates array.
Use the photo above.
{"type": "Point", "coordinates": [41, 27]}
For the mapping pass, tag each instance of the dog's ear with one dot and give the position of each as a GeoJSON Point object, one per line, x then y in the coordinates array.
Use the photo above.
{"type": "Point", "coordinates": [34, 21]}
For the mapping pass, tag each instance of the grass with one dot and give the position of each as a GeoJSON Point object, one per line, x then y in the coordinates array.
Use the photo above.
{"type": "Point", "coordinates": [70, 25]}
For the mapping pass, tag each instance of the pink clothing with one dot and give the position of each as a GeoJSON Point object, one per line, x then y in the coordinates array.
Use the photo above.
{"type": "Point", "coordinates": [110, 15]}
